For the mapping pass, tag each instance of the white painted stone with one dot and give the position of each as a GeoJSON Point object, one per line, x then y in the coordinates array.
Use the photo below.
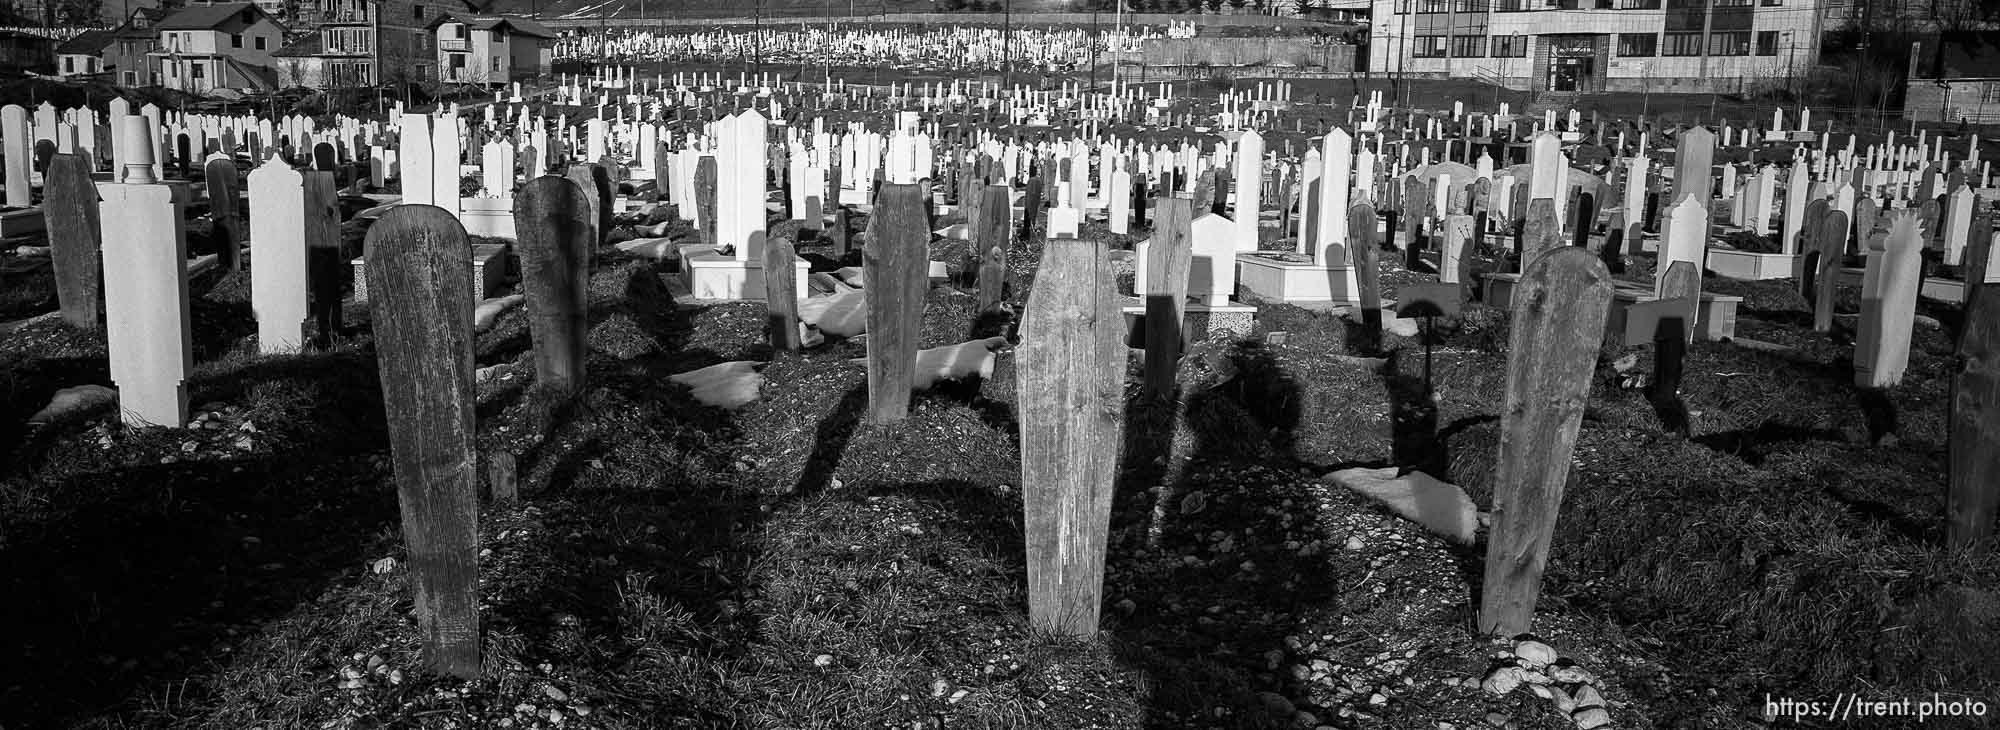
{"type": "Point", "coordinates": [1249, 186]}
{"type": "Point", "coordinates": [1212, 275]}
{"type": "Point", "coordinates": [278, 251]}
{"type": "Point", "coordinates": [16, 144]}
{"type": "Point", "coordinates": [739, 190]}
{"type": "Point", "coordinates": [446, 141]}
{"type": "Point", "coordinates": [1683, 236]}
{"type": "Point", "coordinates": [414, 160]}
{"type": "Point", "coordinates": [145, 298]}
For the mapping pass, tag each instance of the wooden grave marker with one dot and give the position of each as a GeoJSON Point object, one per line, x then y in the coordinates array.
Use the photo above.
{"type": "Point", "coordinates": [553, 219]}
{"type": "Point", "coordinates": [895, 264]}
{"type": "Point", "coordinates": [420, 284]}
{"type": "Point", "coordinates": [1070, 400]}
{"type": "Point", "coordinates": [1558, 323]}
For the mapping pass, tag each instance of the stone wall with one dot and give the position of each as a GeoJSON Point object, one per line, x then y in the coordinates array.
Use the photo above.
{"type": "Point", "coordinates": [1281, 52]}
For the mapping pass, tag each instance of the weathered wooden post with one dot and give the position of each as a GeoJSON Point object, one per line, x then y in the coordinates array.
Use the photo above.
{"type": "Point", "coordinates": [1586, 218]}
{"type": "Point", "coordinates": [1670, 318]}
{"type": "Point", "coordinates": [1070, 397]}
{"type": "Point", "coordinates": [895, 262]}
{"type": "Point", "coordinates": [705, 204]}
{"type": "Point", "coordinates": [1031, 206]}
{"type": "Point", "coordinates": [553, 219]}
{"type": "Point", "coordinates": [1975, 401]}
{"type": "Point", "coordinates": [1558, 323]}
{"type": "Point", "coordinates": [1169, 259]}
{"type": "Point", "coordinates": [1367, 273]}
{"type": "Point", "coordinates": [990, 241]}
{"type": "Point", "coordinates": [220, 175]}
{"type": "Point", "coordinates": [1612, 252]}
{"type": "Point", "coordinates": [1540, 231]}
{"type": "Point", "coordinates": [325, 266]}
{"type": "Point", "coordinates": [781, 293]}
{"type": "Point", "coordinates": [595, 182]}
{"type": "Point", "coordinates": [69, 201]}
{"type": "Point", "coordinates": [1825, 268]}
{"type": "Point", "coordinates": [420, 287]}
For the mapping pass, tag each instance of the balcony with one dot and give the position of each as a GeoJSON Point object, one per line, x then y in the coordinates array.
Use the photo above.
{"type": "Point", "coordinates": [452, 44]}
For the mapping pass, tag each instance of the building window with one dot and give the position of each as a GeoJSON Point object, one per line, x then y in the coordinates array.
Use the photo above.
{"type": "Point", "coordinates": [1639, 4]}
{"type": "Point", "coordinates": [1638, 45]}
{"type": "Point", "coordinates": [69, 65]}
{"type": "Point", "coordinates": [236, 40]}
{"type": "Point", "coordinates": [1510, 46]}
{"type": "Point", "coordinates": [1433, 6]}
{"type": "Point", "coordinates": [1686, 15]}
{"type": "Point", "coordinates": [260, 41]}
{"type": "Point", "coordinates": [1462, 46]}
{"type": "Point", "coordinates": [496, 65]}
{"type": "Point", "coordinates": [1729, 44]}
{"type": "Point", "coordinates": [1989, 92]}
{"type": "Point", "coordinates": [1428, 46]}
{"type": "Point", "coordinates": [417, 10]}
{"type": "Point", "coordinates": [1767, 43]}
{"type": "Point", "coordinates": [1682, 44]}
{"type": "Point", "coordinates": [1510, 6]}
{"type": "Point", "coordinates": [197, 72]}
{"type": "Point", "coordinates": [1772, 3]}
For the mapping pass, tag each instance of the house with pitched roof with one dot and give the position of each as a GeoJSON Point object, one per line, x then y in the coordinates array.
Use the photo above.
{"type": "Point", "coordinates": [84, 54]}
{"type": "Point", "coordinates": [128, 58]}
{"type": "Point", "coordinates": [207, 47]}
{"type": "Point", "coordinates": [493, 49]}
{"type": "Point", "coordinates": [364, 43]}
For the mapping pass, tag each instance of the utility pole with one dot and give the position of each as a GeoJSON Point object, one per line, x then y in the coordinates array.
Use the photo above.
{"type": "Point", "coordinates": [1867, 25]}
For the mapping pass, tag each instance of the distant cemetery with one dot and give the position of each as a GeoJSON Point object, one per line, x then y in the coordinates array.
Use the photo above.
{"type": "Point", "coordinates": [1586, 233]}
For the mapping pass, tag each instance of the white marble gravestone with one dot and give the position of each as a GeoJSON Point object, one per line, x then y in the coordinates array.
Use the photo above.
{"type": "Point", "coordinates": [278, 248]}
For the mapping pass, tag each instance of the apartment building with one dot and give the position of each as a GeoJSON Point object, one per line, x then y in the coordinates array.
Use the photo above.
{"type": "Point", "coordinates": [1672, 46]}
{"type": "Point", "coordinates": [359, 43]}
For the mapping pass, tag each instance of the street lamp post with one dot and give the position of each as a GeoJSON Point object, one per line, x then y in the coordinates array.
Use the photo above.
{"type": "Point", "coordinates": [1791, 57]}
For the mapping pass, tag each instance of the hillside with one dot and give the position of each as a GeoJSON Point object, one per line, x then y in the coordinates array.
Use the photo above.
{"type": "Point", "coordinates": [692, 9]}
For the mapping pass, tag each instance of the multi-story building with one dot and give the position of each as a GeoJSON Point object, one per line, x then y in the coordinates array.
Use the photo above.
{"type": "Point", "coordinates": [493, 49]}
{"type": "Point", "coordinates": [1669, 46]}
{"type": "Point", "coordinates": [129, 57]}
{"type": "Point", "coordinates": [370, 42]}
{"type": "Point", "coordinates": [205, 47]}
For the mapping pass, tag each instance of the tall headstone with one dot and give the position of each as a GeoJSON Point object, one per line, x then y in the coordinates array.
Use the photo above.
{"type": "Point", "coordinates": [17, 146]}
{"type": "Point", "coordinates": [739, 203]}
{"type": "Point", "coordinates": [1694, 163]}
{"type": "Point", "coordinates": [70, 204]}
{"type": "Point", "coordinates": [278, 282]}
{"type": "Point", "coordinates": [145, 295]}
{"type": "Point", "coordinates": [1249, 189]}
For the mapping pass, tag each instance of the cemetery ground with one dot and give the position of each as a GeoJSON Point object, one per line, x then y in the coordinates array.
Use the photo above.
{"type": "Point", "coordinates": [671, 564]}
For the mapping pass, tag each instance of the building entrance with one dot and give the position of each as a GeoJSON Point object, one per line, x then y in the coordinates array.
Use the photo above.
{"type": "Point", "coordinates": [1573, 63]}
{"type": "Point", "coordinates": [1569, 74]}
